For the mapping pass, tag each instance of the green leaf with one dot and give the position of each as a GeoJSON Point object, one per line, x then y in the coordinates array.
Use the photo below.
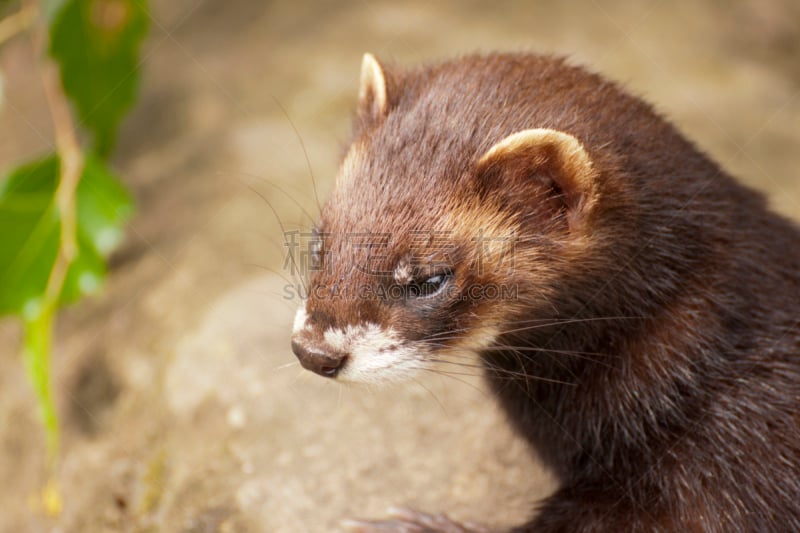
{"type": "Point", "coordinates": [36, 355]}
{"type": "Point", "coordinates": [50, 8]}
{"type": "Point", "coordinates": [96, 43]}
{"type": "Point", "coordinates": [103, 206]}
{"type": "Point", "coordinates": [30, 226]}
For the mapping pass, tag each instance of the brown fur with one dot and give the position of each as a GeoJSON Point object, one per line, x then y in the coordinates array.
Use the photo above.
{"type": "Point", "coordinates": [652, 356]}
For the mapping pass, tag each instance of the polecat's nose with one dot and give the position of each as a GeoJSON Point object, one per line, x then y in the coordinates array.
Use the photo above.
{"type": "Point", "coordinates": [323, 363]}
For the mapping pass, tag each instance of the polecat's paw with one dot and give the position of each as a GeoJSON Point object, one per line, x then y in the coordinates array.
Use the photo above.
{"type": "Point", "coordinates": [410, 521]}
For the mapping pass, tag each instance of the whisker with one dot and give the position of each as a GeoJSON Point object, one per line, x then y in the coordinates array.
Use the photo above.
{"type": "Point", "coordinates": [511, 373]}
{"type": "Point", "coordinates": [283, 191]}
{"type": "Point", "coordinates": [501, 347]}
{"type": "Point", "coordinates": [567, 321]}
{"type": "Point", "coordinates": [441, 405]}
{"type": "Point", "coordinates": [280, 224]}
{"type": "Point", "coordinates": [272, 270]}
{"type": "Point", "coordinates": [541, 323]}
{"type": "Point", "coordinates": [305, 152]}
{"type": "Point", "coordinates": [453, 376]}
{"type": "Point", "coordinates": [286, 365]}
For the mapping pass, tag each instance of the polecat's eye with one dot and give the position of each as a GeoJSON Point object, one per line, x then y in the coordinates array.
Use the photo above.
{"type": "Point", "coordinates": [315, 256]}
{"type": "Point", "coordinates": [429, 286]}
{"type": "Point", "coordinates": [315, 251]}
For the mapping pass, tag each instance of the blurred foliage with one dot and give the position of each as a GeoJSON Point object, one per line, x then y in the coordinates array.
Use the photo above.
{"type": "Point", "coordinates": [8, 5]}
{"type": "Point", "coordinates": [31, 226]}
{"type": "Point", "coordinates": [95, 44]}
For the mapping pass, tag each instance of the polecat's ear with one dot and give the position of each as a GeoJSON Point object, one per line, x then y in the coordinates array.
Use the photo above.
{"type": "Point", "coordinates": [553, 161]}
{"type": "Point", "coordinates": [372, 97]}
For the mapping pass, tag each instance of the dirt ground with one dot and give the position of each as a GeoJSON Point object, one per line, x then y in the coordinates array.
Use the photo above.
{"type": "Point", "coordinates": [183, 407]}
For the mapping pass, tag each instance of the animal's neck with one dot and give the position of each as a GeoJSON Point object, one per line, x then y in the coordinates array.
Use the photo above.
{"type": "Point", "coordinates": [586, 391]}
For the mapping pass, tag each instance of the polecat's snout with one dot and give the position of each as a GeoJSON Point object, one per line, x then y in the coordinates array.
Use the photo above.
{"type": "Point", "coordinates": [366, 352]}
{"type": "Point", "coordinates": [326, 363]}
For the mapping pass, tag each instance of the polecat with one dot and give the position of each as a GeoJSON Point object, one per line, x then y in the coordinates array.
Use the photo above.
{"type": "Point", "coordinates": [637, 311]}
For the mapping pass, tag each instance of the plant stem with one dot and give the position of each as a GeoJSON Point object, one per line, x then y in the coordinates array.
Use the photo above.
{"type": "Point", "coordinates": [71, 161]}
{"type": "Point", "coordinates": [39, 330]}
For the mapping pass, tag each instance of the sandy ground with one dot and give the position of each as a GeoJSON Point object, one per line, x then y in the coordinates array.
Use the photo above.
{"type": "Point", "coordinates": [182, 405]}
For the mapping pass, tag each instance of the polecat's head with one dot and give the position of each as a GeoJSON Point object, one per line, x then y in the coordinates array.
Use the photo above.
{"type": "Point", "coordinates": [434, 236]}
